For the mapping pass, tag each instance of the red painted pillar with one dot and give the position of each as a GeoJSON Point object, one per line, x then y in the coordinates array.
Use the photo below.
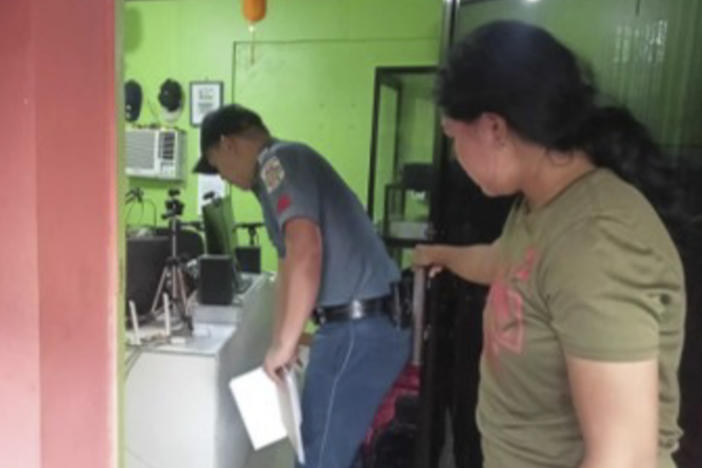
{"type": "Point", "coordinates": [58, 255]}
{"type": "Point", "coordinates": [19, 279]}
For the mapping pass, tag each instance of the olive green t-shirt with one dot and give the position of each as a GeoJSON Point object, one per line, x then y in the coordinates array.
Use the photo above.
{"type": "Point", "coordinates": [593, 274]}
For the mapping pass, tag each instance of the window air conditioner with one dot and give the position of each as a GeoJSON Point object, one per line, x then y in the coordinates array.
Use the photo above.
{"type": "Point", "coordinates": [155, 153]}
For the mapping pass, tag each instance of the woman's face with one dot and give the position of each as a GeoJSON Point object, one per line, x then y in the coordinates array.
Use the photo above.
{"type": "Point", "coordinates": [485, 151]}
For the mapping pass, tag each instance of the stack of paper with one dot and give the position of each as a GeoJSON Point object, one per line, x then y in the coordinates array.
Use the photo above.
{"type": "Point", "coordinates": [270, 412]}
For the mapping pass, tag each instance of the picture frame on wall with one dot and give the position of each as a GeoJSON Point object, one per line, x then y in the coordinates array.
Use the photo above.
{"type": "Point", "coordinates": [205, 96]}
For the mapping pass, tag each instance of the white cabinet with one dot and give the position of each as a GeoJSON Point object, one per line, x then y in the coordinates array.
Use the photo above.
{"type": "Point", "coordinates": [179, 412]}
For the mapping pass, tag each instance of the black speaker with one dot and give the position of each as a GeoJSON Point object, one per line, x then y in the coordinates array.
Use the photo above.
{"type": "Point", "coordinates": [146, 257]}
{"type": "Point", "coordinates": [417, 176]}
{"type": "Point", "coordinates": [190, 243]}
{"type": "Point", "coordinates": [249, 258]}
{"type": "Point", "coordinates": [216, 282]}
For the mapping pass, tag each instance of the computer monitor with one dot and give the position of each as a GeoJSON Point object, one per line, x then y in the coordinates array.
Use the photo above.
{"type": "Point", "coordinates": [220, 235]}
{"type": "Point", "coordinates": [218, 222]}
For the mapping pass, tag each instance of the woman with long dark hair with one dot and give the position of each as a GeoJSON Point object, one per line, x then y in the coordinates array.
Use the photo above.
{"type": "Point", "coordinates": [583, 326]}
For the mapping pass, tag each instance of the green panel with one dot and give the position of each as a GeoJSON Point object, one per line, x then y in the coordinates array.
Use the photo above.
{"type": "Point", "coordinates": [310, 95]}
{"type": "Point", "coordinates": [386, 147]}
{"type": "Point", "coordinates": [417, 134]}
{"type": "Point", "coordinates": [643, 53]}
{"type": "Point", "coordinates": [410, 127]}
{"type": "Point", "coordinates": [417, 124]}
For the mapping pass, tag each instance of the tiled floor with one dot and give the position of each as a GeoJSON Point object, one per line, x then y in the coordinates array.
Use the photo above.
{"type": "Point", "coordinates": [279, 455]}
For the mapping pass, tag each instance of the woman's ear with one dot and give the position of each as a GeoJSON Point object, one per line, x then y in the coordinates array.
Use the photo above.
{"type": "Point", "coordinates": [494, 129]}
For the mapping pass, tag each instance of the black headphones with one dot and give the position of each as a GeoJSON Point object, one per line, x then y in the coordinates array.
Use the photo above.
{"type": "Point", "coordinates": [133, 98]}
{"type": "Point", "coordinates": [171, 95]}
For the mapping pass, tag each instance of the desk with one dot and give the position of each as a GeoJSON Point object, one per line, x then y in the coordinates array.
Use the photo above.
{"type": "Point", "coordinates": [179, 412]}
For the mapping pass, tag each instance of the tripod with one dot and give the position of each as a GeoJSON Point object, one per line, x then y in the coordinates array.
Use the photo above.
{"type": "Point", "coordinates": [172, 282]}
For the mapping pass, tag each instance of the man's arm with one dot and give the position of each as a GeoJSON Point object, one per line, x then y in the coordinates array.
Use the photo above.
{"type": "Point", "coordinates": [279, 299]}
{"type": "Point", "coordinates": [302, 271]}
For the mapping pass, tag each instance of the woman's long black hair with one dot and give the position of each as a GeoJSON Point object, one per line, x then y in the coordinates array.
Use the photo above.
{"type": "Point", "coordinates": [524, 74]}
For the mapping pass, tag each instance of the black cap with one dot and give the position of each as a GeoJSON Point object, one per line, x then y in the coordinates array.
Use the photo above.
{"type": "Point", "coordinates": [226, 120]}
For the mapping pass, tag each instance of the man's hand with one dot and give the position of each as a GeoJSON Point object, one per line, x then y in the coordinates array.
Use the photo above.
{"type": "Point", "coordinates": [278, 357]}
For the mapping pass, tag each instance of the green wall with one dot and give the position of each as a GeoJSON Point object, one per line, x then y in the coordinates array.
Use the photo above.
{"type": "Point", "coordinates": [310, 77]}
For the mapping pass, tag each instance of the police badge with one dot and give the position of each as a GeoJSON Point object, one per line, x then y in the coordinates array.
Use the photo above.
{"type": "Point", "coordinates": [272, 174]}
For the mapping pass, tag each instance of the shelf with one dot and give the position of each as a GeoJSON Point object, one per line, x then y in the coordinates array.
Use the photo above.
{"type": "Point", "coordinates": [403, 242]}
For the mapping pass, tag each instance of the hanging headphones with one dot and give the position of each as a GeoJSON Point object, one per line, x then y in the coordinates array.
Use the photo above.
{"type": "Point", "coordinates": [132, 100]}
{"type": "Point", "coordinates": [171, 99]}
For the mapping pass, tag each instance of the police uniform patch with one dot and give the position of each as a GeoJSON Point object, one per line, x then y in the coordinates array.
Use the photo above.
{"type": "Point", "coordinates": [283, 203]}
{"type": "Point", "coordinates": [272, 174]}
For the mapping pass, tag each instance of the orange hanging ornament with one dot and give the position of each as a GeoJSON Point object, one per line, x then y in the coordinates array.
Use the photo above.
{"type": "Point", "coordinates": [254, 10]}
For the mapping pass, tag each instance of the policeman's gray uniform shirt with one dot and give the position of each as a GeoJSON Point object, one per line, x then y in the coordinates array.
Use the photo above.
{"type": "Point", "coordinates": [294, 181]}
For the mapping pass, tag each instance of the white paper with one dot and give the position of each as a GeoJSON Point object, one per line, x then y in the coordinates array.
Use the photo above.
{"type": "Point", "coordinates": [270, 412]}
{"type": "Point", "coordinates": [291, 413]}
{"type": "Point", "coordinates": [209, 183]}
{"type": "Point", "coordinates": [257, 398]}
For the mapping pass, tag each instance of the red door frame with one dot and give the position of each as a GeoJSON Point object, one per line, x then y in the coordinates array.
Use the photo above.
{"type": "Point", "coordinates": [59, 271]}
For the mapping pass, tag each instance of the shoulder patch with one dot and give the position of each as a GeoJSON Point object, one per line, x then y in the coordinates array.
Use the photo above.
{"type": "Point", "coordinates": [272, 174]}
{"type": "Point", "coordinates": [283, 203]}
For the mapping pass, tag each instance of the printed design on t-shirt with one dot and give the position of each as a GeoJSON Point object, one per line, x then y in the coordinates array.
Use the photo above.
{"type": "Point", "coordinates": [504, 317]}
{"type": "Point", "coordinates": [283, 203]}
{"type": "Point", "coordinates": [272, 174]}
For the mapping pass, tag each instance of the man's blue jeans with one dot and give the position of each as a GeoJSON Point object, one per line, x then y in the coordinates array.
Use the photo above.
{"type": "Point", "coordinates": [352, 366]}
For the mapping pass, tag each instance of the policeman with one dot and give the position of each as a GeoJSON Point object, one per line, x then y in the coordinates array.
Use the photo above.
{"type": "Point", "coordinates": [332, 264]}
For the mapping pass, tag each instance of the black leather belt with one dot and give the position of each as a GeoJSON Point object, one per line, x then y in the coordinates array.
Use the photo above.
{"type": "Point", "coordinates": [354, 310]}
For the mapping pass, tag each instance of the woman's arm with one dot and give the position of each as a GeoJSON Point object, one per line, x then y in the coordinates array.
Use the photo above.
{"type": "Point", "coordinates": [617, 408]}
{"type": "Point", "coordinates": [476, 263]}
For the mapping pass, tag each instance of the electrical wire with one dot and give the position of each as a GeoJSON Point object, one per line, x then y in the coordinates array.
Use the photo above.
{"type": "Point", "coordinates": [132, 200]}
{"type": "Point", "coordinates": [132, 359]}
{"type": "Point", "coordinates": [154, 210]}
{"type": "Point", "coordinates": [141, 212]}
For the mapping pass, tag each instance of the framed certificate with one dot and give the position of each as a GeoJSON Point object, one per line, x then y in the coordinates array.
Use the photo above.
{"type": "Point", "coordinates": [205, 96]}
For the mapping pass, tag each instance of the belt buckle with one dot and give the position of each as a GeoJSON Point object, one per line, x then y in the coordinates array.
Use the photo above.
{"type": "Point", "coordinates": [357, 310]}
{"type": "Point", "coordinates": [318, 316]}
